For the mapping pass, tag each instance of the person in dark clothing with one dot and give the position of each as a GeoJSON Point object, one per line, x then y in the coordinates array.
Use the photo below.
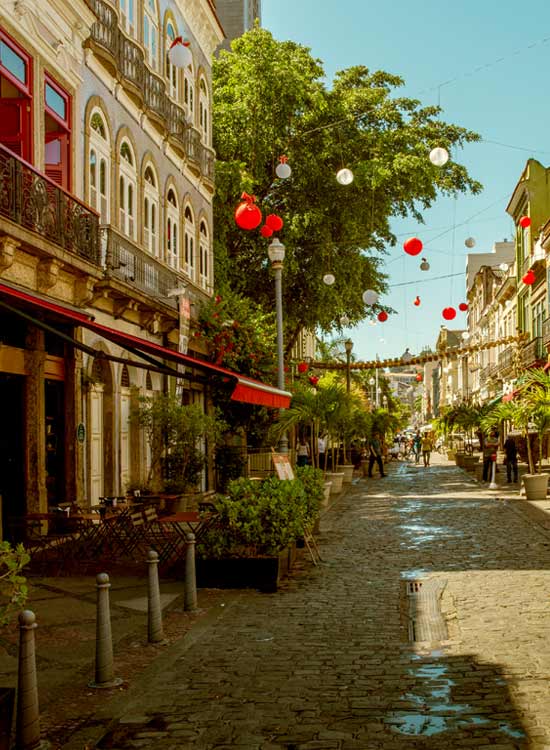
{"type": "Point", "coordinates": [490, 447]}
{"type": "Point", "coordinates": [511, 450]}
{"type": "Point", "coordinates": [375, 454]}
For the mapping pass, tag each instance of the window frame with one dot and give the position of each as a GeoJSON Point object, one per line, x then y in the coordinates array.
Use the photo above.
{"type": "Point", "coordinates": [172, 223]}
{"type": "Point", "coordinates": [151, 212]}
{"type": "Point", "coordinates": [128, 174]}
{"type": "Point", "coordinates": [102, 148]}
{"type": "Point", "coordinates": [188, 256]}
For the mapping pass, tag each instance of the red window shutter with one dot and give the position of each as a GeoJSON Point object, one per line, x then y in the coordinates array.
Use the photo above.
{"type": "Point", "coordinates": [57, 158]}
{"type": "Point", "coordinates": [14, 126]}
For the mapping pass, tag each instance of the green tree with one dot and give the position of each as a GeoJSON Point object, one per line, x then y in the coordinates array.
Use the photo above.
{"type": "Point", "coordinates": [270, 99]}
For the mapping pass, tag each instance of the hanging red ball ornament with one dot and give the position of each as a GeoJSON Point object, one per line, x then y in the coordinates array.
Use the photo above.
{"type": "Point", "coordinates": [449, 313]}
{"type": "Point", "coordinates": [247, 215]}
{"type": "Point", "coordinates": [302, 366]}
{"type": "Point", "coordinates": [274, 222]}
{"type": "Point", "coordinates": [382, 316]}
{"type": "Point", "coordinates": [525, 222]}
{"type": "Point", "coordinates": [413, 246]}
{"type": "Point", "coordinates": [417, 302]}
{"type": "Point", "coordinates": [313, 379]}
{"type": "Point", "coordinates": [463, 307]}
{"type": "Point", "coordinates": [529, 277]}
{"type": "Point", "coordinates": [418, 378]}
{"type": "Point", "coordinates": [266, 231]}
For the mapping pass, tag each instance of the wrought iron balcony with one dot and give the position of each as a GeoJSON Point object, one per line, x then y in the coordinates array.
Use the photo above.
{"type": "Point", "coordinates": [506, 360]}
{"type": "Point", "coordinates": [126, 261]}
{"type": "Point", "coordinates": [34, 202]}
{"type": "Point", "coordinates": [546, 331]}
{"type": "Point", "coordinates": [484, 374]}
{"type": "Point", "coordinates": [128, 59]}
{"type": "Point", "coordinates": [533, 353]}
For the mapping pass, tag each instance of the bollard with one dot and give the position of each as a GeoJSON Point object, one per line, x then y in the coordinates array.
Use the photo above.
{"type": "Point", "coordinates": [27, 731]}
{"type": "Point", "coordinates": [493, 485]}
{"type": "Point", "coordinates": [104, 674]}
{"type": "Point", "coordinates": [190, 592]}
{"type": "Point", "coordinates": [155, 633]}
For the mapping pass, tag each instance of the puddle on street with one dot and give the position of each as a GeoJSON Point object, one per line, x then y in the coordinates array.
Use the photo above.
{"type": "Point", "coordinates": [434, 710]}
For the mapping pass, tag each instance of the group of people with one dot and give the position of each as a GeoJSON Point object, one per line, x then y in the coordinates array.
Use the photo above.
{"type": "Point", "coordinates": [490, 447]}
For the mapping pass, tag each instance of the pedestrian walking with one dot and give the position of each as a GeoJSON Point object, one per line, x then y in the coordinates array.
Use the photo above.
{"type": "Point", "coordinates": [426, 448]}
{"type": "Point", "coordinates": [417, 447]}
{"type": "Point", "coordinates": [511, 459]}
{"type": "Point", "coordinates": [375, 454]}
{"type": "Point", "coordinates": [302, 453]}
{"type": "Point", "coordinates": [490, 447]}
{"type": "Point", "coordinates": [321, 450]}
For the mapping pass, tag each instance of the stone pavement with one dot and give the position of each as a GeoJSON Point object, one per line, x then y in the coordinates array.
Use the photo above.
{"type": "Point", "coordinates": [333, 660]}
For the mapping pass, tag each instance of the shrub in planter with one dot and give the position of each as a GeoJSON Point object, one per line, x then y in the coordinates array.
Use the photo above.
{"type": "Point", "coordinates": [13, 586]}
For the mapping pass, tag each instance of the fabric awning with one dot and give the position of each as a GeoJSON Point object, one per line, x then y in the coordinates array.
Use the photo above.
{"type": "Point", "coordinates": [246, 390]}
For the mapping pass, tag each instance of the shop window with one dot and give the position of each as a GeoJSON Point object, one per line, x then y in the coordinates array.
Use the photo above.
{"type": "Point", "coordinates": [15, 98]}
{"type": "Point", "coordinates": [57, 122]}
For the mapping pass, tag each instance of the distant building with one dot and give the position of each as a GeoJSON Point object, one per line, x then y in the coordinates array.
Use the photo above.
{"type": "Point", "coordinates": [237, 16]}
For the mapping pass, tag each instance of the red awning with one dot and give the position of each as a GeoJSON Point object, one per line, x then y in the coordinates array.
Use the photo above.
{"type": "Point", "coordinates": [247, 390]}
{"type": "Point", "coordinates": [510, 396]}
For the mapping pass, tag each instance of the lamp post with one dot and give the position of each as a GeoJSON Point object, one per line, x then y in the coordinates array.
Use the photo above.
{"type": "Point", "coordinates": [349, 346]}
{"type": "Point", "coordinates": [372, 381]}
{"type": "Point", "coordinates": [276, 253]}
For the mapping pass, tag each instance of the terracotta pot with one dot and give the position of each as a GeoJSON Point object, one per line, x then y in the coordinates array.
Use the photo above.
{"type": "Point", "coordinates": [536, 486]}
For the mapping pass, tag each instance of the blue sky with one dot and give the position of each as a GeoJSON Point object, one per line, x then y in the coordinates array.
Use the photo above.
{"type": "Point", "coordinates": [427, 43]}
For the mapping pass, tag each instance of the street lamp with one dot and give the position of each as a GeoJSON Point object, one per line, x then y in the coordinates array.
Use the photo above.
{"type": "Point", "coordinates": [372, 381]}
{"type": "Point", "coordinates": [276, 254]}
{"type": "Point", "coordinates": [385, 402]}
{"type": "Point", "coordinates": [349, 346]}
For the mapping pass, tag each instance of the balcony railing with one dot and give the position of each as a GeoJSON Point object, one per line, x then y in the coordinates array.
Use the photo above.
{"type": "Point", "coordinates": [33, 201]}
{"type": "Point", "coordinates": [129, 59]}
{"type": "Point", "coordinates": [484, 374]}
{"type": "Point", "coordinates": [532, 353]}
{"type": "Point", "coordinates": [546, 331]}
{"type": "Point", "coordinates": [126, 261]}
{"type": "Point", "coordinates": [506, 360]}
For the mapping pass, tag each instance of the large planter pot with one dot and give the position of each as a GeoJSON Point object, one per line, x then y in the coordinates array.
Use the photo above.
{"type": "Point", "coordinates": [459, 459]}
{"type": "Point", "coordinates": [7, 697]}
{"type": "Point", "coordinates": [348, 472]}
{"type": "Point", "coordinates": [326, 497]}
{"type": "Point", "coordinates": [337, 479]}
{"type": "Point", "coordinates": [536, 486]}
{"type": "Point", "coordinates": [262, 573]}
{"type": "Point", "coordinates": [451, 455]}
{"type": "Point", "coordinates": [470, 462]}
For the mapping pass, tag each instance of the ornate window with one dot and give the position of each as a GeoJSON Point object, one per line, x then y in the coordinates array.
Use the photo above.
{"type": "Point", "coordinates": [127, 186]}
{"type": "Point", "coordinates": [204, 253]}
{"type": "Point", "coordinates": [189, 92]}
{"type": "Point", "coordinates": [172, 229]}
{"type": "Point", "coordinates": [99, 166]}
{"type": "Point", "coordinates": [150, 212]}
{"type": "Point", "coordinates": [128, 16]}
{"type": "Point", "coordinates": [189, 244]}
{"type": "Point", "coordinates": [203, 112]}
{"type": "Point", "coordinates": [171, 72]}
{"type": "Point", "coordinates": [150, 32]}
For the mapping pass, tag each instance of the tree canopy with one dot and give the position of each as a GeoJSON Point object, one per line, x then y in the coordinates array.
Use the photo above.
{"type": "Point", "coordinates": [270, 98]}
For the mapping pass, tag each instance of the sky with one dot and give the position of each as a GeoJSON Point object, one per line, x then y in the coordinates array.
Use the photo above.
{"type": "Point", "coordinates": [493, 59]}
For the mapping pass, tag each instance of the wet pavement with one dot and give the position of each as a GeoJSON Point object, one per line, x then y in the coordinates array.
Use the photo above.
{"type": "Point", "coordinates": [334, 660]}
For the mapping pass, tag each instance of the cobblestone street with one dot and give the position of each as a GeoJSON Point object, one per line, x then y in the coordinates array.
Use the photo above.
{"type": "Point", "coordinates": [330, 662]}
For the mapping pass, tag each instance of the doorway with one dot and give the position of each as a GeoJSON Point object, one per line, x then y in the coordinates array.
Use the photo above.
{"type": "Point", "coordinates": [12, 449]}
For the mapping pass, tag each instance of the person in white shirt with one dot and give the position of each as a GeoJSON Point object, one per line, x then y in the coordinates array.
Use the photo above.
{"type": "Point", "coordinates": [321, 449]}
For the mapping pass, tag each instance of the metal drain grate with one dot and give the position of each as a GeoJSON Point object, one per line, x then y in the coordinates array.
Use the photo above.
{"type": "Point", "coordinates": [413, 587]}
{"type": "Point", "coordinates": [425, 620]}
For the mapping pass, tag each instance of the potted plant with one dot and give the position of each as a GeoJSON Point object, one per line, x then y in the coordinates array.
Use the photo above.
{"type": "Point", "coordinates": [13, 595]}
{"type": "Point", "coordinates": [176, 434]}
{"type": "Point", "coordinates": [258, 523]}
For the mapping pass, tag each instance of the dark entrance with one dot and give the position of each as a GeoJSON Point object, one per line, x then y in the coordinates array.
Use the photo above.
{"type": "Point", "coordinates": [12, 447]}
{"type": "Point", "coordinates": [55, 441]}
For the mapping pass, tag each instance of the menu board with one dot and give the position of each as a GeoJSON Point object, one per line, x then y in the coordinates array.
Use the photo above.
{"type": "Point", "coordinates": [282, 464]}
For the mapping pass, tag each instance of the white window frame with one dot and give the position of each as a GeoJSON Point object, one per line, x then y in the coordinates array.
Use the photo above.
{"type": "Point", "coordinates": [189, 92]}
{"type": "Point", "coordinates": [204, 116]}
{"type": "Point", "coordinates": [172, 231]}
{"type": "Point", "coordinates": [127, 185]}
{"type": "Point", "coordinates": [204, 253]}
{"type": "Point", "coordinates": [100, 147]}
{"type": "Point", "coordinates": [151, 213]}
{"type": "Point", "coordinates": [189, 242]}
{"type": "Point", "coordinates": [171, 72]}
{"type": "Point", "coordinates": [151, 33]}
{"type": "Point", "coordinates": [128, 16]}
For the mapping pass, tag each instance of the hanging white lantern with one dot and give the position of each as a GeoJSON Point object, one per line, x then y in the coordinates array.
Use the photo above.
{"type": "Point", "coordinates": [503, 267]}
{"type": "Point", "coordinates": [329, 279]}
{"type": "Point", "coordinates": [370, 297]}
{"type": "Point", "coordinates": [470, 242]}
{"type": "Point", "coordinates": [424, 266]}
{"type": "Point", "coordinates": [344, 320]}
{"type": "Point", "coordinates": [283, 169]}
{"type": "Point", "coordinates": [465, 335]}
{"type": "Point", "coordinates": [439, 156]}
{"type": "Point", "coordinates": [345, 176]}
{"type": "Point", "coordinates": [179, 53]}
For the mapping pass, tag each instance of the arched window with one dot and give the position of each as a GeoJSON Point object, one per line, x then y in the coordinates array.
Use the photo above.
{"type": "Point", "coordinates": [171, 72]}
{"type": "Point", "coordinates": [204, 252]}
{"type": "Point", "coordinates": [150, 32]}
{"type": "Point", "coordinates": [150, 212]}
{"type": "Point", "coordinates": [204, 118]}
{"type": "Point", "coordinates": [189, 244]}
{"type": "Point", "coordinates": [172, 229]}
{"type": "Point", "coordinates": [189, 91]}
{"type": "Point", "coordinates": [99, 166]}
{"type": "Point", "coordinates": [127, 187]}
{"type": "Point", "coordinates": [148, 382]}
{"type": "Point", "coordinates": [128, 16]}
